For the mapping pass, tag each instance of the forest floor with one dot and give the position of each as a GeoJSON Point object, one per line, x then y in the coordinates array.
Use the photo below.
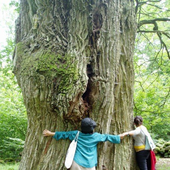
{"type": "Point", "coordinates": [163, 164]}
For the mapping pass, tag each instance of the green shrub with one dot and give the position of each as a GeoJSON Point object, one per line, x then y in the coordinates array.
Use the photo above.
{"type": "Point", "coordinates": [13, 119]}
{"type": "Point", "coordinates": [162, 148]}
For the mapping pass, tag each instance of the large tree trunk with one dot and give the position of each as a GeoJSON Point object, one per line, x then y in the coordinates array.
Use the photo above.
{"type": "Point", "coordinates": [73, 59]}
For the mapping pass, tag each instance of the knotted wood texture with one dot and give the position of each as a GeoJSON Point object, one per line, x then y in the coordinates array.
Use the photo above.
{"type": "Point", "coordinates": [73, 59]}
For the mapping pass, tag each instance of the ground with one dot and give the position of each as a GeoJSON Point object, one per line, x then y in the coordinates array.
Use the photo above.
{"type": "Point", "coordinates": [163, 164]}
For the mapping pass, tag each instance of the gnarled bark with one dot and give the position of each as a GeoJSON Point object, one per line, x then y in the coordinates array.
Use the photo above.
{"type": "Point", "coordinates": [74, 59]}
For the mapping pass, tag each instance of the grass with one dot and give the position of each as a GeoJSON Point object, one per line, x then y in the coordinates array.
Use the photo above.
{"type": "Point", "coordinates": [163, 167]}
{"type": "Point", "coordinates": [163, 164]}
{"type": "Point", "coordinates": [14, 166]}
{"type": "Point", "coordinates": [9, 166]}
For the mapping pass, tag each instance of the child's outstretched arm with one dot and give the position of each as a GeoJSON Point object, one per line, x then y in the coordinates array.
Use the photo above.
{"type": "Point", "coordinates": [48, 133]}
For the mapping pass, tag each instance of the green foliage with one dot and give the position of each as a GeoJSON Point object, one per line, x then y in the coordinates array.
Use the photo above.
{"type": "Point", "coordinates": [13, 120]}
{"type": "Point", "coordinates": [152, 67]}
{"type": "Point", "coordinates": [16, 5]}
{"type": "Point", "coordinates": [12, 149]}
{"type": "Point", "coordinates": [152, 100]}
{"type": "Point", "coordinates": [162, 148]}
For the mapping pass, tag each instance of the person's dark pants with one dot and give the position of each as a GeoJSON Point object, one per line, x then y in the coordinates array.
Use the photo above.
{"type": "Point", "coordinates": [143, 160]}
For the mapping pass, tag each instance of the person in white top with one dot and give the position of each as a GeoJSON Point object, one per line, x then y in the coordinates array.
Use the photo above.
{"type": "Point", "coordinates": [139, 136]}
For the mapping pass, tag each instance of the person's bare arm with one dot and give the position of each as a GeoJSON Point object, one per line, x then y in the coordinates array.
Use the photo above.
{"type": "Point", "coordinates": [121, 136]}
{"type": "Point", "coordinates": [48, 133]}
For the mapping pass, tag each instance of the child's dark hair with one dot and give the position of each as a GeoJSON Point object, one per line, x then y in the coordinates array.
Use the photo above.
{"type": "Point", "coordinates": [138, 120]}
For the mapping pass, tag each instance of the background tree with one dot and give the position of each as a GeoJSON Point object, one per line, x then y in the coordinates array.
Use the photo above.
{"type": "Point", "coordinates": [75, 59]}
